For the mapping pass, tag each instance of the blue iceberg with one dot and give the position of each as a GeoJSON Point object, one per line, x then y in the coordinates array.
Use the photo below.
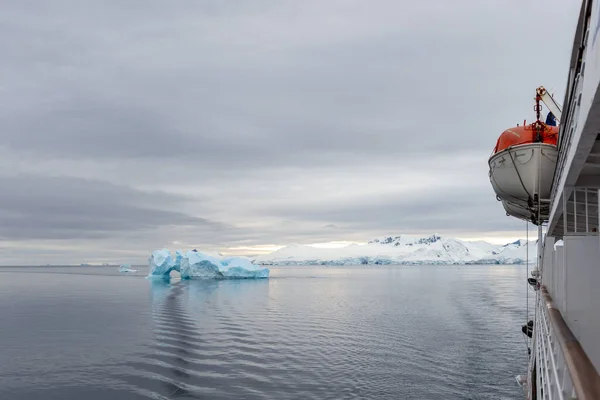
{"type": "Point", "coordinates": [198, 265]}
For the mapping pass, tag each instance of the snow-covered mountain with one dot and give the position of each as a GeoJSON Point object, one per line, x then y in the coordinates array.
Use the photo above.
{"type": "Point", "coordinates": [405, 249]}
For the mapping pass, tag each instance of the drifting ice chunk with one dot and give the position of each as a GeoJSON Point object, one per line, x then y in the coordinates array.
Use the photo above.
{"type": "Point", "coordinates": [197, 265]}
{"type": "Point", "coordinates": [161, 264]}
{"type": "Point", "coordinates": [126, 268]}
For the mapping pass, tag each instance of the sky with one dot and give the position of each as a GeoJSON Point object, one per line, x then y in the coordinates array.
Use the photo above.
{"type": "Point", "coordinates": [132, 125]}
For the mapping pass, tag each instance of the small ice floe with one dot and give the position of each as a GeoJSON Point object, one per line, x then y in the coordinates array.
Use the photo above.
{"type": "Point", "coordinates": [126, 268]}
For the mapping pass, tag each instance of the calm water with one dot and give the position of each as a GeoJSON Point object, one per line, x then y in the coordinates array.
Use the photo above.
{"type": "Point", "coordinates": [385, 332]}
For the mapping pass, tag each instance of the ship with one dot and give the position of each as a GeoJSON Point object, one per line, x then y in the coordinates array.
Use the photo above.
{"type": "Point", "coordinates": [547, 172]}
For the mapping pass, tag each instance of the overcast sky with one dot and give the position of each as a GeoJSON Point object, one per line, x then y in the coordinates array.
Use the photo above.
{"type": "Point", "coordinates": [127, 125]}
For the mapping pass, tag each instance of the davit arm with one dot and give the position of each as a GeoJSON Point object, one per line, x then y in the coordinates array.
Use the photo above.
{"type": "Point", "coordinates": [549, 101]}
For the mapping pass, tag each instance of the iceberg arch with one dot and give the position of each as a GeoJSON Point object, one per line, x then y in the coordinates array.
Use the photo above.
{"type": "Point", "coordinates": [198, 265]}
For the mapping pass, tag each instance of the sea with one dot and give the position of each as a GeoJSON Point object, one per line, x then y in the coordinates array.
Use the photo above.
{"type": "Point", "coordinates": [307, 332]}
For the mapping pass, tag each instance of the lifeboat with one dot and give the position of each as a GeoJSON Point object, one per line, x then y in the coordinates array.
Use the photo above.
{"type": "Point", "coordinates": [526, 213]}
{"type": "Point", "coordinates": [522, 169]}
{"type": "Point", "coordinates": [517, 211]}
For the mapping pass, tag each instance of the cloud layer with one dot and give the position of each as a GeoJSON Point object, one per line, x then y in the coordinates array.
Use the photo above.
{"type": "Point", "coordinates": [128, 125]}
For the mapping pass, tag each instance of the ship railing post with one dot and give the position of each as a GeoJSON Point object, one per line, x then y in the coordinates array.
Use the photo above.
{"type": "Point", "coordinates": [548, 355]}
{"type": "Point", "coordinates": [565, 220]}
{"type": "Point", "coordinates": [575, 209]}
{"type": "Point", "coordinates": [565, 376]}
{"type": "Point", "coordinates": [540, 252]}
{"type": "Point", "coordinates": [587, 225]}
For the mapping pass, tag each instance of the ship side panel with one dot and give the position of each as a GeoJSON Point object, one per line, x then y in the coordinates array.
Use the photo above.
{"type": "Point", "coordinates": [548, 266]}
{"type": "Point", "coordinates": [582, 297]}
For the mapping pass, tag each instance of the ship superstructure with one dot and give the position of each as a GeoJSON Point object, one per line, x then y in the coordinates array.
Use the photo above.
{"type": "Point", "coordinates": [550, 176]}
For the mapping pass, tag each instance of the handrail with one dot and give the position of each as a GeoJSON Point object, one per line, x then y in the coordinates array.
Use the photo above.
{"type": "Point", "coordinates": [584, 376]}
{"type": "Point", "coordinates": [547, 350]}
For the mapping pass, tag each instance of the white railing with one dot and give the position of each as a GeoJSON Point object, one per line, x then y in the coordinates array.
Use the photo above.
{"type": "Point", "coordinates": [563, 370]}
{"type": "Point", "coordinates": [553, 379]}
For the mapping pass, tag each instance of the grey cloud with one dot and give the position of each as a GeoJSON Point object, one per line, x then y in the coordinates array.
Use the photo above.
{"type": "Point", "coordinates": [51, 208]}
{"type": "Point", "coordinates": [138, 88]}
{"type": "Point", "coordinates": [90, 127]}
{"type": "Point", "coordinates": [465, 210]}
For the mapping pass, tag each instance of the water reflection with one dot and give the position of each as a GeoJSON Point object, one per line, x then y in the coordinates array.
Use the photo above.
{"type": "Point", "coordinates": [195, 327]}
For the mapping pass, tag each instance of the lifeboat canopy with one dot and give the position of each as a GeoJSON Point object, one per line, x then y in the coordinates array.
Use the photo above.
{"type": "Point", "coordinates": [526, 134]}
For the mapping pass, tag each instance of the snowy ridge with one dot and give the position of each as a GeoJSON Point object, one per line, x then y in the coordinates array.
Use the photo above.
{"type": "Point", "coordinates": [405, 249]}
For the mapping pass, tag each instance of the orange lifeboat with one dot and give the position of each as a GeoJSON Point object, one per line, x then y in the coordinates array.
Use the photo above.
{"type": "Point", "coordinates": [522, 169]}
